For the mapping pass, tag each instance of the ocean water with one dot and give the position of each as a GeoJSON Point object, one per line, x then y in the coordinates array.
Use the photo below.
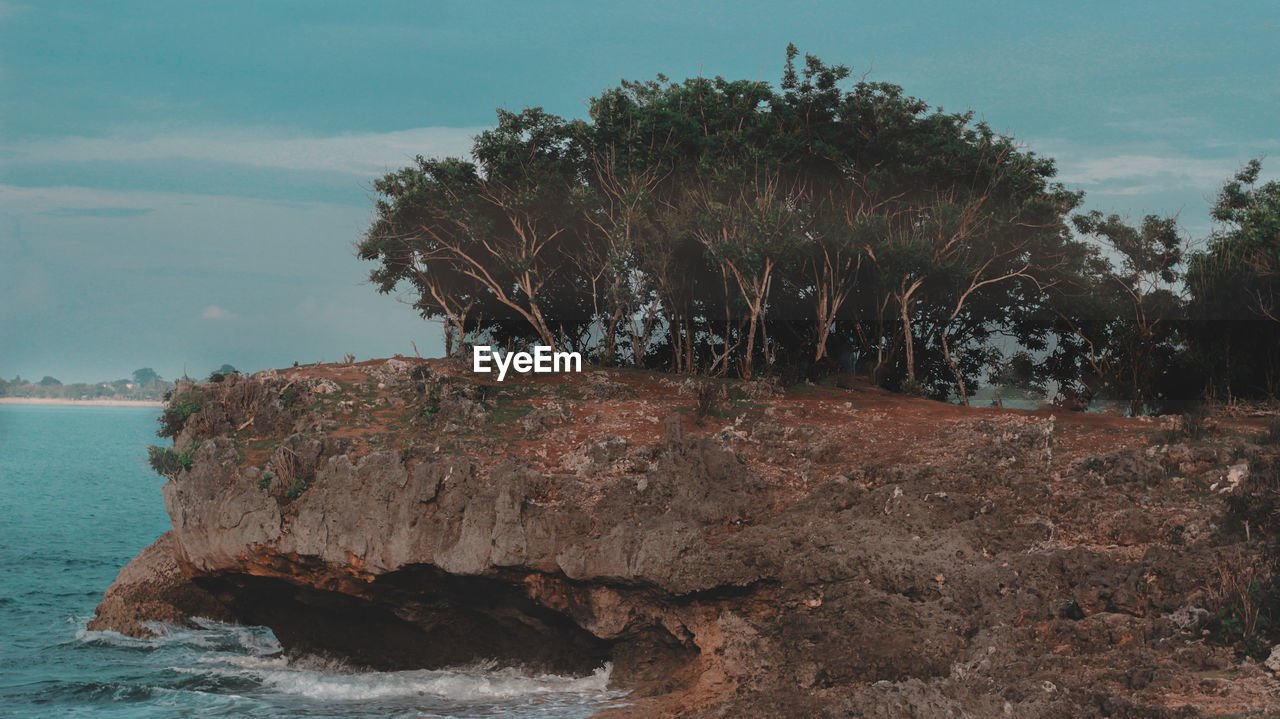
{"type": "Point", "coordinates": [77, 502]}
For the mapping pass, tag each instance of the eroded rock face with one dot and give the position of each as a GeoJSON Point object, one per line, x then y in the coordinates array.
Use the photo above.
{"type": "Point", "coordinates": [899, 589]}
{"type": "Point", "coordinates": [153, 588]}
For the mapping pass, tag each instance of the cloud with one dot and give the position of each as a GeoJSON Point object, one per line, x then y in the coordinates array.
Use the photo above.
{"type": "Point", "coordinates": [365, 154]}
{"type": "Point", "coordinates": [1171, 169]}
{"type": "Point", "coordinates": [72, 202]}
{"type": "Point", "coordinates": [104, 212]}
{"type": "Point", "coordinates": [214, 312]}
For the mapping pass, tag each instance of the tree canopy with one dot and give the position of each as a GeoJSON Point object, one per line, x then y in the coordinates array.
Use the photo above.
{"type": "Point", "coordinates": [731, 227]}
{"type": "Point", "coordinates": [727, 226]}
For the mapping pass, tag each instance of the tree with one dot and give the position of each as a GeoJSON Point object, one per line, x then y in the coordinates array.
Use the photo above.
{"type": "Point", "coordinates": [492, 233]}
{"type": "Point", "coordinates": [723, 226]}
{"type": "Point", "coordinates": [1233, 323]}
{"type": "Point", "coordinates": [1250, 215]}
{"type": "Point", "coordinates": [146, 375]}
{"type": "Point", "coordinates": [48, 381]}
{"type": "Point", "coordinates": [1118, 327]}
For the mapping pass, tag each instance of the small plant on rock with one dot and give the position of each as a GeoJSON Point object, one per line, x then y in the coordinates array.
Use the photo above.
{"type": "Point", "coordinates": [295, 489]}
{"type": "Point", "coordinates": [167, 462]}
{"type": "Point", "coordinates": [176, 414]}
{"type": "Point", "coordinates": [1247, 601]}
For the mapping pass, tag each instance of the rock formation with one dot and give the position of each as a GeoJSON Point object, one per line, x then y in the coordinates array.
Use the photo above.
{"type": "Point", "coordinates": [847, 554]}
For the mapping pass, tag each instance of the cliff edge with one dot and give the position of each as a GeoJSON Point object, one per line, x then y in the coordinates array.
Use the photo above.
{"type": "Point", "coordinates": [729, 548]}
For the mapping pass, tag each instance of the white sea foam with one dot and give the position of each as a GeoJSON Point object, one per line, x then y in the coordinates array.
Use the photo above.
{"type": "Point", "coordinates": [329, 681]}
{"type": "Point", "coordinates": [207, 634]}
{"type": "Point", "coordinates": [248, 656]}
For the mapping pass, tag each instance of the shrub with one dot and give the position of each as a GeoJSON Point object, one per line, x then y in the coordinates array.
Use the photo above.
{"type": "Point", "coordinates": [264, 482]}
{"type": "Point", "coordinates": [175, 415]}
{"type": "Point", "coordinates": [167, 462]}
{"type": "Point", "coordinates": [1247, 593]}
{"type": "Point", "coordinates": [706, 397]}
{"type": "Point", "coordinates": [432, 406]}
{"type": "Point", "coordinates": [1193, 424]}
{"type": "Point", "coordinates": [912, 387]}
{"type": "Point", "coordinates": [1248, 605]}
{"type": "Point", "coordinates": [295, 488]}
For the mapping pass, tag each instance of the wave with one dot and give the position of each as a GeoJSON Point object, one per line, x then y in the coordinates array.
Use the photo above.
{"type": "Point", "coordinates": [222, 658]}
{"type": "Point", "coordinates": [329, 681]}
{"type": "Point", "coordinates": [206, 635]}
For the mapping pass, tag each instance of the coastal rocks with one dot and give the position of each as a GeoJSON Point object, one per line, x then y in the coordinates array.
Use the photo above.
{"type": "Point", "coordinates": [992, 566]}
{"type": "Point", "coordinates": [152, 588]}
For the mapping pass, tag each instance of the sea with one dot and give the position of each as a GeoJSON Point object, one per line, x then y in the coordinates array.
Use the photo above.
{"type": "Point", "coordinates": [77, 502]}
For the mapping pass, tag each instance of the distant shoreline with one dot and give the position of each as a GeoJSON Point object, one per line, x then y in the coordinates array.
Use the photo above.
{"type": "Point", "coordinates": [82, 402]}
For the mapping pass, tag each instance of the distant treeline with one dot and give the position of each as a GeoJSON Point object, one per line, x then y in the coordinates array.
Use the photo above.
{"type": "Point", "coordinates": [145, 385]}
{"type": "Point", "coordinates": [728, 227]}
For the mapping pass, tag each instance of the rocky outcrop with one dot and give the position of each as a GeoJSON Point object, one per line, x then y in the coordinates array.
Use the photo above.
{"type": "Point", "coordinates": [713, 585]}
{"type": "Point", "coordinates": [153, 588]}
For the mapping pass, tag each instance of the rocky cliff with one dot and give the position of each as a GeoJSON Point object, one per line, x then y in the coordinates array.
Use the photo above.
{"type": "Point", "coordinates": [731, 549]}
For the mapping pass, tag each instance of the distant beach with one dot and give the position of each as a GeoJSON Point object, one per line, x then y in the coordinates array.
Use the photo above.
{"type": "Point", "coordinates": [86, 402]}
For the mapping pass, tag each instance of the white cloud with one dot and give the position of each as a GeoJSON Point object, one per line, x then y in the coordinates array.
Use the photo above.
{"type": "Point", "coordinates": [365, 154]}
{"type": "Point", "coordinates": [214, 312]}
{"type": "Point", "coordinates": [1173, 169]}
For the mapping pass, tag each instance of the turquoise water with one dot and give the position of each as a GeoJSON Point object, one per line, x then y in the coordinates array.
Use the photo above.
{"type": "Point", "coordinates": [77, 502]}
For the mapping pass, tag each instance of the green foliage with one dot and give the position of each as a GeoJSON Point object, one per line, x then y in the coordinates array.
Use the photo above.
{"type": "Point", "coordinates": [912, 387]}
{"type": "Point", "coordinates": [176, 413]}
{"type": "Point", "coordinates": [290, 396]}
{"type": "Point", "coordinates": [1233, 327]}
{"type": "Point", "coordinates": [146, 375]}
{"type": "Point", "coordinates": [432, 406]}
{"type": "Point", "coordinates": [264, 482]}
{"type": "Point", "coordinates": [295, 488]}
{"type": "Point", "coordinates": [1247, 612]}
{"type": "Point", "coordinates": [730, 227]}
{"type": "Point", "coordinates": [48, 381]}
{"type": "Point", "coordinates": [727, 227]}
{"type": "Point", "coordinates": [168, 462]}
{"type": "Point", "coordinates": [222, 372]}
{"type": "Point", "coordinates": [1117, 321]}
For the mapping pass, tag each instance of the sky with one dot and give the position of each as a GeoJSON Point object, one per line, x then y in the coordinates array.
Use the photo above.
{"type": "Point", "coordinates": [182, 184]}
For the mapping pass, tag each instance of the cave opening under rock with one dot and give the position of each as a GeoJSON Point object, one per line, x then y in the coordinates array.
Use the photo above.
{"type": "Point", "coordinates": [423, 618]}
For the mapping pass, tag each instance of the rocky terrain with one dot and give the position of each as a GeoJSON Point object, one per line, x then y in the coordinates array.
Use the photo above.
{"type": "Point", "coordinates": [731, 548]}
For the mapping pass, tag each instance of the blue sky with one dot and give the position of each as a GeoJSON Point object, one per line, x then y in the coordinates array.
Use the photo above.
{"type": "Point", "coordinates": [181, 183]}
